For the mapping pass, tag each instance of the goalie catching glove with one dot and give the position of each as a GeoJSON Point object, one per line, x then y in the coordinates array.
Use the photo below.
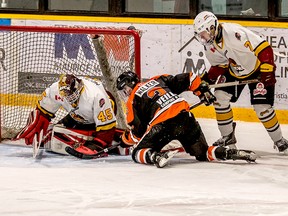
{"type": "Point", "coordinates": [36, 122]}
{"type": "Point", "coordinates": [204, 93]}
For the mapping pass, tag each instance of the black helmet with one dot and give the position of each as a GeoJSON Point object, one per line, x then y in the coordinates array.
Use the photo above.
{"type": "Point", "coordinates": [128, 78]}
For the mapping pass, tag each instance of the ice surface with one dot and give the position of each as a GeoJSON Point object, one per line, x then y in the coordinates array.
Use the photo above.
{"type": "Point", "coordinates": [62, 185]}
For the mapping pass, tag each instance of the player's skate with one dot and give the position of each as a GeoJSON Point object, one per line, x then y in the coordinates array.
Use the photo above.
{"type": "Point", "coordinates": [282, 145]}
{"type": "Point", "coordinates": [161, 159]}
{"type": "Point", "coordinates": [229, 140]}
{"type": "Point", "coordinates": [236, 154]}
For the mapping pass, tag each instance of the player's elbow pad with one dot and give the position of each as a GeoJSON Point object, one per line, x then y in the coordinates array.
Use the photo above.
{"type": "Point", "coordinates": [266, 56]}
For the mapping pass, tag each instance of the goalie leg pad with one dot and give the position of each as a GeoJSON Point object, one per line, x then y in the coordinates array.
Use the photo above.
{"type": "Point", "coordinates": [46, 141]}
{"type": "Point", "coordinates": [60, 141]}
{"type": "Point", "coordinates": [62, 137]}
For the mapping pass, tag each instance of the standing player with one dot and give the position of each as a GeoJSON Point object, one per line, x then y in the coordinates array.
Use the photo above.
{"type": "Point", "coordinates": [90, 124]}
{"type": "Point", "coordinates": [236, 53]}
{"type": "Point", "coordinates": [157, 115]}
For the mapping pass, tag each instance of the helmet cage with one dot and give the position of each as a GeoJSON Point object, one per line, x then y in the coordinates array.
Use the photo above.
{"type": "Point", "coordinates": [205, 27]}
{"type": "Point", "coordinates": [70, 88]}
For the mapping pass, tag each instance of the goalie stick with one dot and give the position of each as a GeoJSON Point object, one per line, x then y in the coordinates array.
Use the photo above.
{"type": "Point", "coordinates": [99, 154]}
{"type": "Point", "coordinates": [73, 152]}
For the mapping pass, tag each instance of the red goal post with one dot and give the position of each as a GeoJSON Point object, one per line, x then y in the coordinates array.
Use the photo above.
{"type": "Point", "coordinates": [33, 57]}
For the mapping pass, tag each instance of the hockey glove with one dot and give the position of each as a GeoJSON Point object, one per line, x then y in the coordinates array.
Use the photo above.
{"type": "Point", "coordinates": [36, 122]}
{"type": "Point", "coordinates": [214, 72]}
{"type": "Point", "coordinates": [267, 74]}
{"type": "Point", "coordinates": [105, 137]}
{"type": "Point", "coordinates": [127, 140]}
{"type": "Point", "coordinates": [204, 93]}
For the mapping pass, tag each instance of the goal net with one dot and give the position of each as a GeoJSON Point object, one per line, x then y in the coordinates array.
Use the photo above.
{"type": "Point", "coordinates": [32, 58]}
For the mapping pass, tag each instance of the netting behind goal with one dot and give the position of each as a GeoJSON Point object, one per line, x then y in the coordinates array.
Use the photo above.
{"type": "Point", "coordinates": [32, 58]}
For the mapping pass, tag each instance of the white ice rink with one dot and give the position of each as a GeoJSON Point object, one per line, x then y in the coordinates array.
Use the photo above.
{"type": "Point", "coordinates": [62, 185]}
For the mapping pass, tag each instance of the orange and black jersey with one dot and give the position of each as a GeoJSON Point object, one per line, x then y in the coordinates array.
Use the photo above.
{"type": "Point", "coordinates": [158, 99]}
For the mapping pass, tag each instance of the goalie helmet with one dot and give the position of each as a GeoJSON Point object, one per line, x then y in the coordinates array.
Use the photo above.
{"type": "Point", "coordinates": [70, 87]}
{"type": "Point", "coordinates": [206, 27]}
{"type": "Point", "coordinates": [128, 78]}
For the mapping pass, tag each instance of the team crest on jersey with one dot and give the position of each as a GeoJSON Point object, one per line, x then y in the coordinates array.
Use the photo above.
{"type": "Point", "coordinates": [101, 102]}
{"type": "Point", "coordinates": [260, 90]}
{"type": "Point", "coordinates": [238, 36]}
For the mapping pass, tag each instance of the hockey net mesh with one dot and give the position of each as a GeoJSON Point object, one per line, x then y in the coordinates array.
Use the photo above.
{"type": "Point", "coordinates": [31, 61]}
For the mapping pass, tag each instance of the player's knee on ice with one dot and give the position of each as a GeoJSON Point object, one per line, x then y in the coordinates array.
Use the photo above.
{"type": "Point", "coordinates": [199, 148]}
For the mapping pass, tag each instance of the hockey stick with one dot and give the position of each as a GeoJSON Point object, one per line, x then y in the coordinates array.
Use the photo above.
{"type": "Point", "coordinates": [99, 154]}
{"type": "Point", "coordinates": [196, 105]}
{"type": "Point", "coordinates": [235, 83]}
{"type": "Point", "coordinates": [36, 144]}
{"type": "Point", "coordinates": [73, 152]}
{"type": "Point", "coordinates": [220, 85]}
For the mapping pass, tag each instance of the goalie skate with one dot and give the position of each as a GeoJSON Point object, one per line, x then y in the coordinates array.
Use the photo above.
{"type": "Point", "coordinates": [247, 155]}
{"type": "Point", "coordinates": [161, 159]}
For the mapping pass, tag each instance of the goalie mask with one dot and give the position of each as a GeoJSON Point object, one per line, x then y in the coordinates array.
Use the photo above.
{"type": "Point", "coordinates": [70, 87]}
{"type": "Point", "coordinates": [206, 27]}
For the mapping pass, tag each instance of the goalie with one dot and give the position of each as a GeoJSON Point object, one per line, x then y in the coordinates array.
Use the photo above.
{"type": "Point", "coordinates": [90, 124]}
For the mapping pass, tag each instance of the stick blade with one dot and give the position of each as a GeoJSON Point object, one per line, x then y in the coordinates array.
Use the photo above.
{"type": "Point", "coordinates": [80, 155]}
{"type": "Point", "coordinates": [73, 152]}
